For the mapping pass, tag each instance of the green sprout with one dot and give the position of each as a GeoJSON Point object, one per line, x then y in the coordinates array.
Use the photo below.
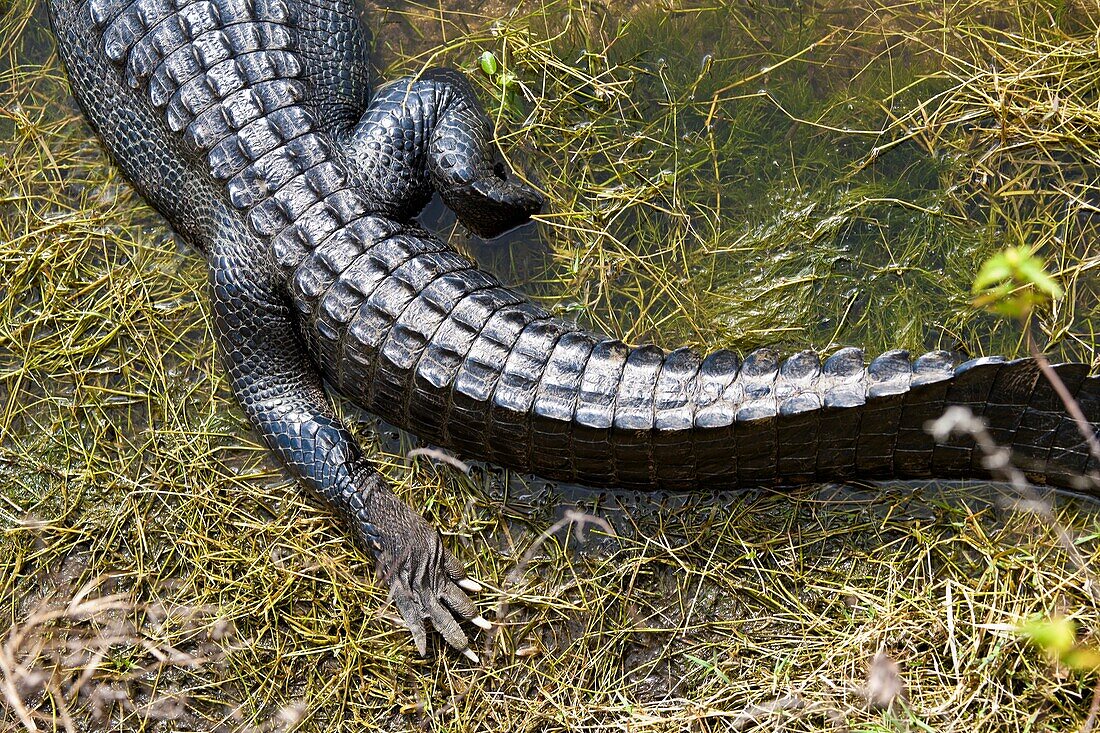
{"type": "Point", "coordinates": [489, 64]}
{"type": "Point", "coordinates": [505, 82]}
{"type": "Point", "coordinates": [1013, 282]}
{"type": "Point", "coordinates": [1058, 638]}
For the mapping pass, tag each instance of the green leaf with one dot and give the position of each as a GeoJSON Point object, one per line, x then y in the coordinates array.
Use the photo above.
{"type": "Point", "coordinates": [1056, 636]}
{"type": "Point", "coordinates": [1013, 282]}
{"type": "Point", "coordinates": [488, 63]}
{"type": "Point", "coordinates": [1082, 659]}
{"type": "Point", "coordinates": [1032, 270]}
{"type": "Point", "coordinates": [995, 270]}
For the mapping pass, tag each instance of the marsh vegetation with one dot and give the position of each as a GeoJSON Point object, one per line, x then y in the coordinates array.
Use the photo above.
{"type": "Point", "coordinates": [721, 174]}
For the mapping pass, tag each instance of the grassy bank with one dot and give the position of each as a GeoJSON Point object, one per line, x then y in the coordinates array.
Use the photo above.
{"type": "Point", "coordinates": [720, 175]}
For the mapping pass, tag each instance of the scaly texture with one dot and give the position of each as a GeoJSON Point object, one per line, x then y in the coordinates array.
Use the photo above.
{"type": "Point", "coordinates": [247, 124]}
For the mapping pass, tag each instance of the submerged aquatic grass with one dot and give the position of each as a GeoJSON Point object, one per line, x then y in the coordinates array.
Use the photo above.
{"type": "Point", "coordinates": [723, 175]}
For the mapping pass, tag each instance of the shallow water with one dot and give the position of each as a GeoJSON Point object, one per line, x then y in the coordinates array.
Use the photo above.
{"type": "Point", "coordinates": [702, 198]}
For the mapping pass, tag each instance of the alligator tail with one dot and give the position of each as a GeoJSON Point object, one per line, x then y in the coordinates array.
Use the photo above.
{"type": "Point", "coordinates": [421, 337]}
{"type": "Point", "coordinates": [416, 333]}
{"type": "Point", "coordinates": [678, 420]}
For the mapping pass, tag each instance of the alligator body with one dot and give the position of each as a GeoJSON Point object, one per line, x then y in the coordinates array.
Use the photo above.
{"type": "Point", "coordinates": [250, 125]}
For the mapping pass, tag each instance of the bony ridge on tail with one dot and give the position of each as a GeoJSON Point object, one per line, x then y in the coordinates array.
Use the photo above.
{"type": "Point", "coordinates": [251, 126]}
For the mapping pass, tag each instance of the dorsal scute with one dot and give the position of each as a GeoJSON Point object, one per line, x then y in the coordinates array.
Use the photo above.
{"type": "Point", "coordinates": [192, 56]}
{"type": "Point", "coordinates": [227, 77]}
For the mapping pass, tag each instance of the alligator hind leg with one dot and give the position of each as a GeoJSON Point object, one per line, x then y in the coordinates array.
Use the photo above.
{"type": "Point", "coordinates": [429, 133]}
{"type": "Point", "coordinates": [281, 392]}
{"type": "Point", "coordinates": [333, 45]}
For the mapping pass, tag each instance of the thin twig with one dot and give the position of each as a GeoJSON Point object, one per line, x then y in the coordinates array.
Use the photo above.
{"type": "Point", "coordinates": [441, 456]}
{"type": "Point", "coordinates": [960, 420]}
{"type": "Point", "coordinates": [571, 516]}
{"type": "Point", "coordinates": [1072, 407]}
{"type": "Point", "coordinates": [1094, 709]}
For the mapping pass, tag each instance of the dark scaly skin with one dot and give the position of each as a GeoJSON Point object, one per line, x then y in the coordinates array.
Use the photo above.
{"type": "Point", "coordinates": [246, 123]}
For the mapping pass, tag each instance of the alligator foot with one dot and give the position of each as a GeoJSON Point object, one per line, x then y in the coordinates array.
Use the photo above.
{"type": "Point", "coordinates": [427, 583]}
{"type": "Point", "coordinates": [491, 206]}
{"type": "Point", "coordinates": [427, 133]}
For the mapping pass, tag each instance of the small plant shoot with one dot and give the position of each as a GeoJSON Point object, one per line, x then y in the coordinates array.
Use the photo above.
{"type": "Point", "coordinates": [1014, 282]}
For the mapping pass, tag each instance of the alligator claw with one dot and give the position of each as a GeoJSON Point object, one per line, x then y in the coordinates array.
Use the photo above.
{"type": "Point", "coordinates": [469, 585]}
{"type": "Point", "coordinates": [426, 581]}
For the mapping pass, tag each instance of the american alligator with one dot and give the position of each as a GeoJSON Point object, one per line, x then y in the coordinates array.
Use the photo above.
{"type": "Point", "coordinates": [251, 126]}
